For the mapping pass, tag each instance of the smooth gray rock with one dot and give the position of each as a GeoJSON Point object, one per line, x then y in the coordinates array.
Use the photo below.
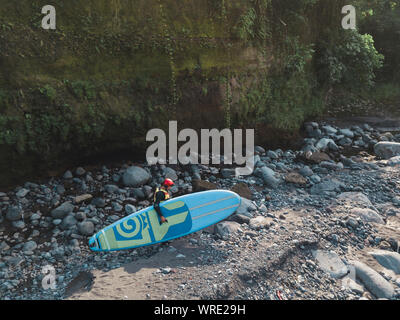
{"type": "Point", "coordinates": [226, 229]}
{"type": "Point", "coordinates": [138, 193]}
{"type": "Point", "coordinates": [390, 260]}
{"type": "Point", "coordinates": [333, 146]}
{"type": "Point", "coordinates": [327, 185]}
{"type": "Point", "coordinates": [246, 208]}
{"type": "Point", "coordinates": [129, 209]}
{"type": "Point", "coordinates": [367, 215]}
{"type": "Point", "coordinates": [272, 154]}
{"type": "Point", "coordinates": [268, 177]}
{"type": "Point", "coordinates": [394, 161]}
{"type": "Point", "coordinates": [86, 228]}
{"type": "Point", "coordinates": [387, 150]}
{"type": "Point", "coordinates": [22, 193]}
{"type": "Point", "coordinates": [18, 224]}
{"type": "Point", "coordinates": [135, 177]}
{"type": "Point", "coordinates": [80, 171]}
{"type": "Point", "coordinates": [14, 213]}
{"type": "Point", "coordinates": [60, 189]}
{"type": "Point", "coordinates": [260, 222]}
{"type": "Point", "coordinates": [347, 132]}
{"type": "Point", "coordinates": [329, 129]}
{"type": "Point", "coordinates": [331, 165]}
{"type": "Point", "coordinates": [68, 175]}
{"type": "Point", "coordinates": [239, 218]}
{"type": "Point", "coordinates": [29, 246]}
{"type": "Point", "coordinates": [355, 198]}
{"type": "Point", "coordinates": [259, 149]}
{"type": "Point", "coordinates": [148, 191]}
{"type": "Point", "coordinates": [57, 222]}
{"type": "Point", "coordinates": [117, 207]}
{"type": "Point", "coordinates": [345, 142]}
{"type": "Point", "coordinates": [171, 174]}
{"type": "Point", "coordinates": [331, 263]}
{"type": "Point", "coordinates": [4, 247]}
{"type": "Point", "coordinates": [82, 198]}
{"type": "Point", "coordinates": [315, 178]}
{"type": "Point", "coordinates": [372, 280]}
{"type": "Point", "coordinates": [99, 202]}
{"type": "Point", "coordinates": [63, 210]}
{"type": "Point", "coordinates": [353, 285]}
{"type": "Point", "coordinates": [306, 171]}
{"type": "Point", "coordinates": [323, 143]}
{"type": "Point", "coordinates": [227, 173]}
{"type": "Point", "coordinates": [352, 222]}
{"type": "Point", "coordinates": [80, 216]}
{"type": "Point", "coordinates": [35, 216]}
{"type": "Point", "coordinates": [111, 188]}
{"type": "Point", "coordinates": [68, 222]}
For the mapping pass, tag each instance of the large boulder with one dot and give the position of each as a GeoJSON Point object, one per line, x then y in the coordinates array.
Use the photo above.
{"type": "Point", "coordinates": [226, 229]}
{"type": "Point", "coordinates": [387, 150]}
{"type": "Point", "coordinates": [390, 260]}
{"type": "Point", "coordinates": [373, 281]}
{"type": "Point", "coordinates": [354, 198]}
{"type": "Point", "coordinates": [246, 208]}
{"type": "Point", "coordinates": [331, 263]}
{"type": "Point", "coordinates": [135, 177]}
{"type": "Point", "coordinates": [367, 215]}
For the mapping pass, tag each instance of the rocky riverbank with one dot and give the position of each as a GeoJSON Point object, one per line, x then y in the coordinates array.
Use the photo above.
{"type": "Point", "coordinates": [314, 223]}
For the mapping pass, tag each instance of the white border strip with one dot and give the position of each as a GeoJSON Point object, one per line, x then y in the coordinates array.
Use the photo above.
{"type": "Point", "coordinates": [208, 213]}
{"type": "Point", "coordinates": [211, 202]}
{"type": "Point", "coordinates": [105, 239]}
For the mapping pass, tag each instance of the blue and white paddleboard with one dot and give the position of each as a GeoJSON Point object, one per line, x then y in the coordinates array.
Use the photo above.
{"type": "Point", "coordinates": [185, 215]}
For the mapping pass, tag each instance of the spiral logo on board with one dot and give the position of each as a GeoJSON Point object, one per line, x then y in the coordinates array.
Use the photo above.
{"type": "Point", "coordinates": [132, 227]}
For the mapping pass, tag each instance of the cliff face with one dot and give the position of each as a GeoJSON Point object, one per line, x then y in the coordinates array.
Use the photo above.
{"type": "Point", "coordinates": [114, 69]}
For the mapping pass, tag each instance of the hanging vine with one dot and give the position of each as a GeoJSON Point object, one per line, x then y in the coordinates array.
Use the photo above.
{"type": "Point", "coordinates": [116, 5]}
{"type": "Point", "coordinates": [228, 92]}
{"type": "Point", "coordinates": [169, 46]}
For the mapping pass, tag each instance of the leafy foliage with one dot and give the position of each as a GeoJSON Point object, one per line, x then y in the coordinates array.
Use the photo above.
{"type": "Point", "coordinates": [351, 61]}
{"type": "Point", "coordinates": [381, 19]}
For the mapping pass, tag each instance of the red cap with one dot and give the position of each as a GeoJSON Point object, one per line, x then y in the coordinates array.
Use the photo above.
{"type": "Point", "coordinates": [168, 182]}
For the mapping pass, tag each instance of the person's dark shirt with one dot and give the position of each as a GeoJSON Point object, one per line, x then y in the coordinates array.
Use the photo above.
{"type": "Point", "coordinates": [160, 196]}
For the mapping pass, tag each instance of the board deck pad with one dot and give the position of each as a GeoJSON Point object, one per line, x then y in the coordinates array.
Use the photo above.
{"type": "Point", "coordinates": [185, 215]}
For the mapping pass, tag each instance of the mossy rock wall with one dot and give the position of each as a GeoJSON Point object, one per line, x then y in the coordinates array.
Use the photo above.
{"type": "Point", "coordinates": [113, 69]}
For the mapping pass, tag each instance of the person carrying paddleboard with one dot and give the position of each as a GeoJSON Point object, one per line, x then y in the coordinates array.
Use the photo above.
{"type": "Point", "coordinates": [160, 195]}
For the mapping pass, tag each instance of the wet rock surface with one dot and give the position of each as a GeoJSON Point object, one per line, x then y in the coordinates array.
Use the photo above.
{"type": "Point", "coordinates": [322, 222]}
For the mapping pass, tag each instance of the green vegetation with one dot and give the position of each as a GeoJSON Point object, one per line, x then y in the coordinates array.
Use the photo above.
{"type": "Point", "coordinates": [114, 69]}
{"type": "Point", "coordinates": [350, 61]}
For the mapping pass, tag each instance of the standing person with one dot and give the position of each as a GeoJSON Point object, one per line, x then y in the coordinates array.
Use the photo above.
{"type": "Point", "coordinates": [160, 195]}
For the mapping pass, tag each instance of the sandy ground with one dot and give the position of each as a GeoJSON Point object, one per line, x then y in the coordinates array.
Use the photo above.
{"type": "Point", "coordinates": [143, 279]}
